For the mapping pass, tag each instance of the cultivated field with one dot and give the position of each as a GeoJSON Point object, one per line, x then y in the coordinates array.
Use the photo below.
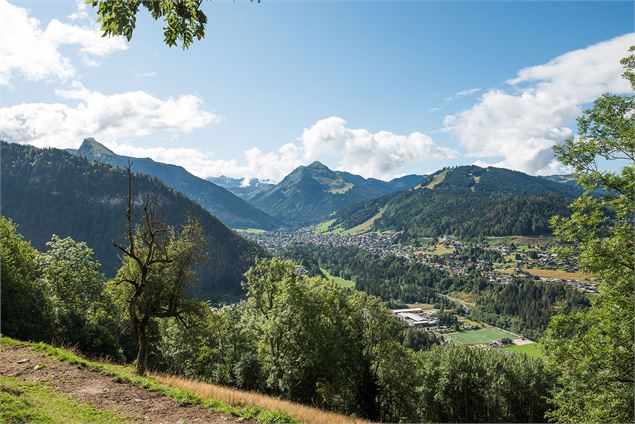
{"type": "Point", "coordinates": [484, 335]}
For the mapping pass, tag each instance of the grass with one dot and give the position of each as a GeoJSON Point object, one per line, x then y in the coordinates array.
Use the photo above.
{"type": "Point", "coordinates": [239, 398]}
{"type": "Point", "coordinates": [125, 374]}
{"type": "Point", "coordinates": [532, 349]}
{"type": "Point", "coordinates": [366, 225]}
{"type": "Point", "coordinates": [556, 273]}
{"type": "Point", "coordinates": [341, 282]}
{"type": "Point", "coordinates": [463, 296]}
{"type": "Point", "coordinates": [520, 240]}
{"type": "Point", "coordinates": [325, 226]}
{"type": "Point", "coordinates": [423, 306]}
{"type": "Point", "coordinates": [484, 335]}
{"type": "Point", "coordinates": [28, 402]}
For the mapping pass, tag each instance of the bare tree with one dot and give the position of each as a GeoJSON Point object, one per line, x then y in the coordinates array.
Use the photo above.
{"type": "Point", "coordinates": [157, 269]}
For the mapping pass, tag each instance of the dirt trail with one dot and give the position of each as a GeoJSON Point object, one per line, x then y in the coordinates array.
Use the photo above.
{"type": "Point", "coordinates": [126, 400]}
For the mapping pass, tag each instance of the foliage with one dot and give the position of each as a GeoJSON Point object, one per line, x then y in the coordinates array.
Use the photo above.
{"type": "Point", "coordinates": [525, 306]}
{"type": "Point", "coordinates": [593, 350]}
{"type": "Point", "coordinates": [26, 309]}
{"type": "Point", "coordinates": [84, 314]}
{"type": "Point", "coordinates": [183, 19]}
{"type": "Point", "coordinates": [463, 384]}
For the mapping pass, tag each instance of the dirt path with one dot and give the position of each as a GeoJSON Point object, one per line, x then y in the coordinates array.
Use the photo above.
{"type": "Point", "coordinates": [126, 400]}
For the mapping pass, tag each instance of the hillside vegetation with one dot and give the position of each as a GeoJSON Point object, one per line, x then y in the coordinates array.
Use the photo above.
{"type": "Point", "coordinates": [466, 201]}
{"type": "Point", "coordinates": [49, 191]}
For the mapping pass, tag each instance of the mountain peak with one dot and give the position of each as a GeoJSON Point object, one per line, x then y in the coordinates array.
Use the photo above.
{"type": "Point", "coordinates": [91, 147]}
{"type": "Point", "coordinates": [317, 165]}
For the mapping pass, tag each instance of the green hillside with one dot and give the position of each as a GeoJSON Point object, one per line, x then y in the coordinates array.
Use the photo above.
{"type": "Point", "coordinates": [312, 193]}
{"type": "Point", "coordinates": [466, 201]}
{"type": "Point", "coordinates": [50, 191]}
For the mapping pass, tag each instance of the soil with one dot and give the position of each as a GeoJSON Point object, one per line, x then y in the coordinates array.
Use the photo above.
{"type": "Point", "coordinates": [130, 402]}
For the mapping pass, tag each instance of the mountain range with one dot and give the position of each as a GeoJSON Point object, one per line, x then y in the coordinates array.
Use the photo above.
{"type": "Point", "coordinates": [465, 201]}
{"type": "Point", "coordinates": [237, 186]}
{"type": "Point", "coordinates": [226, 206]}
{"type": "Point", "coordinates": [313, 193]}
{"type": "Point", "coordinates": [50, 191]}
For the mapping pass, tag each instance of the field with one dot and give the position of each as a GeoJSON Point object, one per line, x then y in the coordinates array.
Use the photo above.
{"type": "Point", "coordinates": [556, 273]}
{"type": "Point", "coordinates": [531, 349]}
{"type": "Point", "coordinates": [341, 282]}
{"type": "Point", "coordinates": [521, 240]}
{"type": "Point", "coordinates": [484, 335]}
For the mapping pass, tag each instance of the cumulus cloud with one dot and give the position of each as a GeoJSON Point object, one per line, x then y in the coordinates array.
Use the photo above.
{"type": "Point", "coordinates": [34, 53]}
{"type": "Point", "coordinates": [378, 155]}
{"type": "Point", "coordinates": [106, 117]}
{"type": "Point", "coordinates": [539, 108]}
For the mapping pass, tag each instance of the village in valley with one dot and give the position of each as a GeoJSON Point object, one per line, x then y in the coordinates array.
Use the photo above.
{"type": "Point", "coordinates": [514, 257]}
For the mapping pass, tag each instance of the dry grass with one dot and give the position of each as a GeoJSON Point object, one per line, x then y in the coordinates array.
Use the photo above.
{"type": "Point", "coordinates": [240, 398]}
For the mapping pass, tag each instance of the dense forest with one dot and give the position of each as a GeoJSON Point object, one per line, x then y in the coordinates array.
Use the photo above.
{"type": "Point", "coordinates": [389, 277]}
{"type": "Point", "coordinates": [467, 202]}
{"type": "Point", "coordinates": [49, 191]}
{"type": "Point", "coordinates": [526, 306]}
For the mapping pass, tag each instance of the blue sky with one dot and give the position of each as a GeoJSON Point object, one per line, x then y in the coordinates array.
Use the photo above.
{"type": "Point", "coordinates": [369, 87]}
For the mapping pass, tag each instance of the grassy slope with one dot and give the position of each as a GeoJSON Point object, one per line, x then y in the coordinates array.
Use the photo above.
{"type": "Point", "coordinates": [24, 402]}
{"type": "Point", "coordinates": [126, 374]}
{"type": "Point", "coordinates": [341, 282]}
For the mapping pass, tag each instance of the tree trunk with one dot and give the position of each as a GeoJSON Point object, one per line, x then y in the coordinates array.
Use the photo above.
{"type": "Point", "coordinates": [142, 354]}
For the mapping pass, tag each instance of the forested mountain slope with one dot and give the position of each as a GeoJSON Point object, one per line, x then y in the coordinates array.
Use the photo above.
{"type": "Point", "coordinates": [466, 201]}
{"type": "Point", "coordinates": [226, 206]}
{"type": "Point", "coordinates": [312, 193]}
{"type": "Point", "coordinates": [50, 191]}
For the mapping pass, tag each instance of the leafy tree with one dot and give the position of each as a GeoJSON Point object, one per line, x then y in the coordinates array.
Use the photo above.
{"type": "Point", "coordinates": [26, 309]}
{"type": "Point", "coordinates": [594, 350]}
{"type": "Point", "coordinates": [184, 21]}
{"type": "Point", "coordinates": [157, 272]}
{"type": "Point", "coordinates": [84, 315]}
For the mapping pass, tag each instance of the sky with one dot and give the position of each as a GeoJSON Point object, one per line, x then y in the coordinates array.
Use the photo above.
{"type": "Point", "coordinates": [380, 89]}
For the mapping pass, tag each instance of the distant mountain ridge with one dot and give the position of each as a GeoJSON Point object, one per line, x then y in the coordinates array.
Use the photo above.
{"type": "Point", "coordinates": [236, 186]}
{"type": "Point", "coordinates": [226, 206]}
{"type": "Point", "coordinates": [466, 201]}
{"type": "Point", "coordinates": [312, 193]}
{"type": "Point", "coordinates": [50, 191]}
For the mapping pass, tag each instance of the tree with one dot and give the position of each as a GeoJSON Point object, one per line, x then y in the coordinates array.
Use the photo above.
{"type": "Point", "coordinates": [26, 308]}
{"type": "Point", "coordinates": [83, 313]}
{"type": "Point", "coordinates": [184, 21]}
{"type": "Point", "coordinates": [594, 350]}
{"type": "Point", "coordinates": [157, 271]}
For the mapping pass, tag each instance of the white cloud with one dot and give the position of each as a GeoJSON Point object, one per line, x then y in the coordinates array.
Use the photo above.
{"type": "Point", "coordinates": [105, 117]}
{"type": "Point", "coordinates": [463, 93]}
{"type": "Point", "coordinates": [146, 74]}
{"type": "Point", "coordinates": [523, 123]}
{"type": "Point", "coordinates": [378, 155]}
{"type": "Point", "coordinates": [34, 53]}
